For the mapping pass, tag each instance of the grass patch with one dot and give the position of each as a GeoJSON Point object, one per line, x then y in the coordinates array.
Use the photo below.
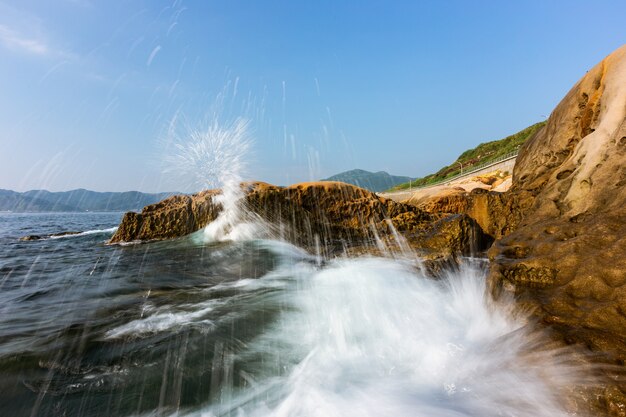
{"type": "Point", "coordinates": [470, 159]}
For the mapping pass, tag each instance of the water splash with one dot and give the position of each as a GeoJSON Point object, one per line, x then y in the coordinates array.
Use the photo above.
{"type": "Point", "coordinates": [216, 157]}
{"type": "Point", "coordinates": [372, 337]}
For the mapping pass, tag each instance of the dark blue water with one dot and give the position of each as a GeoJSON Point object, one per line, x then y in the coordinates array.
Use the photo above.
{"type": "Point", "coordinates": [253, 328]}
{"type": "Point", "coordinates": [65, 302]}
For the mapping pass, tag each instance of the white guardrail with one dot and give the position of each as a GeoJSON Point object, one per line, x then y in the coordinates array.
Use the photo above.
{"type": "Point", "coordinates": [475, 169]}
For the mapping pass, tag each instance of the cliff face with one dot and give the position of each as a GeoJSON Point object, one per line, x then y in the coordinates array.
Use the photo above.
{"type": "Point", "coordinates": [567, 252]}
{"type": "Point", "coordinates": [560, 231]}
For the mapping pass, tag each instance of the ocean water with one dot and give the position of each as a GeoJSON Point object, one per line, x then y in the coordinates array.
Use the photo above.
{"type": "Point", "coordinates": [255, 328]}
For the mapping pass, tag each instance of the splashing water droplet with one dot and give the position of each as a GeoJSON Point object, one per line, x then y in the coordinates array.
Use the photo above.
{"type": "Point", "coordinates": [216, 157]}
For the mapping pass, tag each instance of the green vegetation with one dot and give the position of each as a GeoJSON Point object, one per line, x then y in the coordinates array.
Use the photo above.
{"type": "Point", "coordinates": [472, 158]}
{"type": "Point", "coordinates": [373, 181]}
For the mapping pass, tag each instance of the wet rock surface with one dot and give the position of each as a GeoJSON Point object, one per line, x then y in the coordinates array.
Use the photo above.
{"type": "Point", "coordinates": [560, 231]}
{"type": "Point", "coordinates": [53, 235]}
{"type": "Point", "coordinates": [329, 215]}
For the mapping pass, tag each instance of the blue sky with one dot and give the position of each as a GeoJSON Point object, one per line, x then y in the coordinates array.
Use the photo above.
{"type": "Point", "coordinates": [90, 91]}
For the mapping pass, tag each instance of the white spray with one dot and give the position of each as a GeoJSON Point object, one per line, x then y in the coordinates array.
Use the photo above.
{"type": "Point", "coordinates": [374, 337]}
{"type": "Point", "coordinates": [215, 157]}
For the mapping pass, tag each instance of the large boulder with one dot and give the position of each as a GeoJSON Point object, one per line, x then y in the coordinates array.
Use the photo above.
{"type": "Point", "coordinates": [497, 213]}
{"type": "Point", "coordinates": [560, 231]}
{"type": "Point", "coordinates": [569, 245]}
{"type": "Point", "coordinates": [325, 214]}
{"type": "Point", "coordinates": [175, 216]}
{"type": "Point", "coordinates": [565, 251]}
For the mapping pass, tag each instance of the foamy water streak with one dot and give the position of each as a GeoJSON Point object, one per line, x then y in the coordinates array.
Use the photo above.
{"type": "Point", "coordinates": [165, 319]}
{"type": "Point", "coordinates": [110, 230]}
{"type": "Point", "coordinates": [371, 337]}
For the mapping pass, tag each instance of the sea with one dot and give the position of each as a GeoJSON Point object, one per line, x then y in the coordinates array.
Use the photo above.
{"type": "Point", "coordinates": [255, 327]}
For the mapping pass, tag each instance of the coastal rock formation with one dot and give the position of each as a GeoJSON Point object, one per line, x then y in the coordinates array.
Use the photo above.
{"type": "Point", "coordinates": [565, 251]}
{"type": "Point", "coordinates": [326, 214]}
{"type": "Point", "coordinates": [569, 245]}
{"type": "Point", "coordinates": [496, 213]}
{"type": "Point", "coordinates": [175, 216]}
{"type": "Point", "coordinates": [560, 230]}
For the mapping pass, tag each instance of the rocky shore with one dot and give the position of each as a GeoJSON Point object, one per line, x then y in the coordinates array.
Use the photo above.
{"type": "Point", "coordinates": [556, 239]}
{"type": "Point", "coordinates": [325, 216]}
{"type": "Point", "coordinates": [560, 231]}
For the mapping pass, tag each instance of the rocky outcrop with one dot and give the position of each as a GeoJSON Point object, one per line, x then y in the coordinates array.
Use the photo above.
{"type": "Point", "coordinates": [327, 214]}
{"type": "Point", "coordinates": [173, 217]}
{"type": "Point", "coordinates": [560, 231]}
{"type": "Point", "coordinates": [496, 213]}
{"type": "Point", "coordinates": [567, 251]}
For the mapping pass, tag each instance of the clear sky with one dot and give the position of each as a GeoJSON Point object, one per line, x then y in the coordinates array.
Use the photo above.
{"type": "Point", "coordinates": [90, 91]}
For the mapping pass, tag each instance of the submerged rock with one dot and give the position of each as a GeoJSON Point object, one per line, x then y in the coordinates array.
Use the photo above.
{"type": "Point", "coordinates": [41, 237]}
{"type": "Point", "coordinates": [31, 237]}
{"type": "Point", "coordinates": [329, 215]}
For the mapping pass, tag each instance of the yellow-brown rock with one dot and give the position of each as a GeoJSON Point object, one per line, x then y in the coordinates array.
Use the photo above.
{"type": "Point", "coordinates": [564, 251]}
{"type": "Point", "coordinates": [330, 214]}
{"type": "Point", "coordinates": [569, 185]}
{"type": "Point", "coordinates": [175, 216]}
{"type": "Point", "coordinates": [496, 213]}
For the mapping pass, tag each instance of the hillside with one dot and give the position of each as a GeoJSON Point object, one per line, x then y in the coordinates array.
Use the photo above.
{"type": "Point", "coordinates": [75, 200]}
{"type": "Point", "coordinates": [483, 153]}
{"type": "Point", "coordinates": [373, 181]}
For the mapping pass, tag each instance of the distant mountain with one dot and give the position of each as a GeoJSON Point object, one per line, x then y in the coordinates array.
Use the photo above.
{"type": "Point", "coordinates": [76, 200]}
{"type": "Point", "coordinates": [373, 181]}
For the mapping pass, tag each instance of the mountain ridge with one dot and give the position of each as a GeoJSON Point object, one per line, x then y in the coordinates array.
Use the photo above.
{"type": "Point", "coordinates": [372, 181]}
{"type": "Point", "coordinates": [78, 200]}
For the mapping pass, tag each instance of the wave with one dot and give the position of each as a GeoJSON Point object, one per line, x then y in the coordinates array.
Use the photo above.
{"type": "Point", "coordinates": [165, 319]}
{"type": "Point", "coordinates": [365, 337]}
{"type": "Point", "coordinates": [374, 337]}
{"type": "Point", "coordinates": [110, 230]}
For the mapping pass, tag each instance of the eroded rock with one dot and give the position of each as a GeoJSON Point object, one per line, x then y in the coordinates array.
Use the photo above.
{"type": "Point", "coordinates": [560, 231]}
{"type": "Point", "coordinates": [570, 207]}
{"type": "Point", "coordinates": [565, 252]}
{"type": "Point", "coordinates": [329, 215]}
{"type": "Point", "coordinates": [173, 217]}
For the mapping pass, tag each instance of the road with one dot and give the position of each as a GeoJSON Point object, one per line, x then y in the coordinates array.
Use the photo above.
{"type": "Point", "coordinates": [503, 165]}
